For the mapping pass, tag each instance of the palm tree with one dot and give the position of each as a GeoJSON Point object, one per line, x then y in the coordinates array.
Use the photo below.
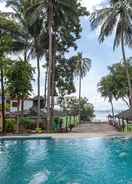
{"type": "Point", "coordinates": [9, 37]}
{"type": "Point", "coordinates": [56, 13]}
{"type": "Point", "coordinates": [116, 18]}
{"type": "Point", "coordinates": [45, 66]}
{"type": "Point", "coordinates": [50, 60]}
{"type": "Point", "coordinates": [2, 96]}
{"type": "Point", "coordinates": [82, 67]}
{"type": "Point", "coordinates": [25, 43]}
{"type": "Point", "coordinates": [63, 22]}
{"type": "Point", "coordinates": [32, 23]}
{"type": "Point", "coordinates": [110, 96]}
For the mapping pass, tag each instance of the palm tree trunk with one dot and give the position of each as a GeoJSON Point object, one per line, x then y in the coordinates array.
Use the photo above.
{"type": "Point", "coordinates": [53, 78]}
{"type": "Point", "coordinates": [25, 55]}
{"type": "Point", "coordinates": [3, 99]}
{"type": "Point", "coordinates": [18, 104]}
{"type": "Point", "coordinates": [45, 87]}
{"type": "Point", "coordinates": [26, 51]}
{"type": "Point", "coordinates": [80, 86]}
{"type": "Point", "coordinates": [50, 19]}
{"type": "Point", "coordinates": [38, 110]}
{"type": "Point", "coordinates": [126, 102]}
{"type": "Point", "coordinates": [38, 82]}
{"type": "Point", "coordinates": [112, 109]}
{"type": "Point", "coordinates": [66, 123]}
{"type": "Point", "coordinates": [127, 70]}
{"type": "Point", "coordinates": [22, 106]}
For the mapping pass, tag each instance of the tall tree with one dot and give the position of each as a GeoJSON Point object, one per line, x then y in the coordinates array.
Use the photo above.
{"type": "Point", "coordinates": [50, 60]}
{"type": "Point", "coordinates": [4, 48]}
{"type": "Point", "coordinates": [87, 110]}
{"type": "Point", "coordinates": [107, 90]}
{"type": "Point", "coordinates": [32, 25]}
{"type": "Point", "coordinates": [19, 77]}
{"type": "Point", "coordinates": [119, 83]}
{"type": "Point", "coordinates": [116, 18]}
{"type": "Point", "coordinates": [82, 67]}
{"type": "Point", "coordinates": [18, 14]}
{"type": "Point", "coordinates": [10, 40]}
{"type": "Point", "coordinates": [45, 83]}
{"type": "Point", "coordinates": [63, 26]}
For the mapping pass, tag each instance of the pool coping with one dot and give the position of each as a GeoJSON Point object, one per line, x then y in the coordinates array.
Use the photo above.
{"type": "Point", "coordinates": [65, 136]}
{"type": "Point", "coordinates": [28, 137]}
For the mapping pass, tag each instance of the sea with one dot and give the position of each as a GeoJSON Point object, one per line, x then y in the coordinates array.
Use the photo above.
{"type": "Point", "coordinates": [102, 115]}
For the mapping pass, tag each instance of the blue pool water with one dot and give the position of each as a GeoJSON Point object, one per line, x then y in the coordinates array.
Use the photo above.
{"type": "Point", "coordinates": [78, 161]}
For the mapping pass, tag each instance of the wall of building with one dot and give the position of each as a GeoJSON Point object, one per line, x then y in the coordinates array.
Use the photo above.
{"type": "Point", "coordinates": [27, 105]}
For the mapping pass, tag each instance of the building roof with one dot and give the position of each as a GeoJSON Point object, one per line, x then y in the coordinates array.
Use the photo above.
{"type": "Point", "coordinates": [127, 115]}
{"type": "Point", "coordinates": [36, 98]}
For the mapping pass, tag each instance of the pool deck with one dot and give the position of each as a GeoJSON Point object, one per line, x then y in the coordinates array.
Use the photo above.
{"type": "Point", "coordinates": [91, 130]}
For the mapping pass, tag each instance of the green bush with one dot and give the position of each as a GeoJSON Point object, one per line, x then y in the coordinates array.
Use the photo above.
{"type": "Point", "coordinates": [26, 122]}
{"type": "Point", "coordinates": [58, 122]}
{"type": "Point", "coordinates": [71, 127]}
{"type": "Point", "coordinates": [7, 107]}
{"type": "Point", "coordinates": [129, 128]}
{"type": "Point", "coordinates": [10, 125]}
{"type": "Point", "coordinates": [39, 130]}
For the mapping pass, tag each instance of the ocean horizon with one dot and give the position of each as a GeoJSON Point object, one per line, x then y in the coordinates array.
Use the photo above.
{"type": "Point", "coordinates": [102, 115]}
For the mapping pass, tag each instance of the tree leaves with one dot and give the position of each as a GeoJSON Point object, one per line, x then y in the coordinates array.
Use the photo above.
{"type": "Point", "coordinates": [115, 83]}
{"type": "Point", "coordinates": [115, 18]}
{"type": "Point", "coordinates": [19, 76]}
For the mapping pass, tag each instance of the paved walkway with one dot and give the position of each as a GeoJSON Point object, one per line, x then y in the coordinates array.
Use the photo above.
{"type": "Point", "coordinates": [95, 128]}
{"type": "Point", "coordinates": [91, 130]}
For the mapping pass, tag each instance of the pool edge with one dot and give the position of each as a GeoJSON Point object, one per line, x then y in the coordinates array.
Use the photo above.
{"type": "Point", "coordinates": [64, 136]}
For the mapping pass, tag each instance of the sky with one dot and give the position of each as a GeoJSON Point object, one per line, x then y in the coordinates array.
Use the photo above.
{"type": "Point", "coordinates": [91, 4]}
{"type": "Point", "coordinates": [102, 56]}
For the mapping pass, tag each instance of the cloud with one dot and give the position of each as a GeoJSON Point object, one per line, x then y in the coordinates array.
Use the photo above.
{"type": "Point", "coordinates": [88, 44]}
{"type": "Point", "coordinates": [3, 8]}
{"type": "Point", "coordinates": [91, 4]}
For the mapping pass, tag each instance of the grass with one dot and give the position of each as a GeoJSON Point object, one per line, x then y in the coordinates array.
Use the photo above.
{"type": "Point", "coordinates": [70, 120]}
{"type": "Point", "coordinates": [128, 128]}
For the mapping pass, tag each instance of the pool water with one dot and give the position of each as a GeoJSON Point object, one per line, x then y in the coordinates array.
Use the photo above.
{"type": "Point", "coordinates": [70, 161]}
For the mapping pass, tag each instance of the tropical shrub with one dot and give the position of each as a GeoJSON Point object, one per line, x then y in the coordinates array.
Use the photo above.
{"type": "Point", "coordinates": [7, 107]}
{"type": "Point", "coordinates": [71, 127]}
{"type": "Point", "coordinates": [26, 122]}
{"type": "Point", "coordinates": [39, 130]}
{"type": "Point", "coordinates": [58, 122]}
{"type": "Point", "coordinates": [10, 125]}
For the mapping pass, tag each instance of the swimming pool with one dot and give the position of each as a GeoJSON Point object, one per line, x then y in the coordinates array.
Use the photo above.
{"type": "Point", "coordinates": [69, 161]}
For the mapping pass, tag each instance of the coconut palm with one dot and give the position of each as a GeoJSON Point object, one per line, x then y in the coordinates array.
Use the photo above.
{"type": "Point", "coordinates": [57, 17]}
{"type": "Point", "coordinates": [63, 22]}
{"type": "Point", "coordinates": [10, 40]}
{"type": "Point", "coordinates": [82, 67]}
{"type": "Point", "coordinates": [34, 34]}
{"type": "Point", "coordinates": [50, 60]}
{"type": "Point", "coordinates": [25, 42]}
{"type": "Point", "coordinates": [116, 18]}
